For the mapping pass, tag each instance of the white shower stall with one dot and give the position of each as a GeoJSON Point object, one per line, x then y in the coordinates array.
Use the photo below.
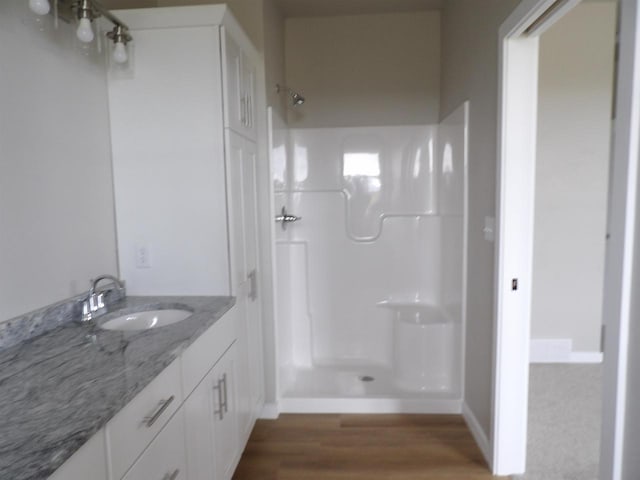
{"type": "Point", "coordinates": [370, 278]}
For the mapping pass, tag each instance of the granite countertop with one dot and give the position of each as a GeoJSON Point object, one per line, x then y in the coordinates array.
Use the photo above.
{"type": "Point", "coordinates": [59, 388]}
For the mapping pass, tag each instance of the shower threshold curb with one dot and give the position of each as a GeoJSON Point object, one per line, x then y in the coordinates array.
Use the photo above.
{"type": "Point", "coordinates": [371, 405]}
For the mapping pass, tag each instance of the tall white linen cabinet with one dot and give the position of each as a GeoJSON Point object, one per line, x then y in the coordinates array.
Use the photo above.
{"type": "Point", "coordinates": [184, 131]}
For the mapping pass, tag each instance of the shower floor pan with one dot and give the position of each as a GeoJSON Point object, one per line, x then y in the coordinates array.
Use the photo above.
{"type": "Point", "coordinates": [357, 389]}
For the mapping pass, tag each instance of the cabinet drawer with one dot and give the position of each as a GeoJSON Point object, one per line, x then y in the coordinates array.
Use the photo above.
{"type": "Point", "coordinates": [133, 428]}
{"type": "Point", "coordinates": [88, 462]}
{"type": "Point", "coordinates": [200, 357]}
{"type": "Point", "coordinates": [165, 459]}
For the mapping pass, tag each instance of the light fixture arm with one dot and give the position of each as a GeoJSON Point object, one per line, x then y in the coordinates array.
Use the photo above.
{"type": "Point", "coordinates": [111, 17]}
{"type": "Point", "coordinates": [119, 34]}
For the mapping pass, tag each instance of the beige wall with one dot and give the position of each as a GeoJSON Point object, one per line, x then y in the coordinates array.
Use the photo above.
{"type": "Point", "coordinates": [274, 62]}
{"type": "Point", "coordinates": [364, 70]}
{"type": "Point", "coordinates": [575, 94]}
{"type": "Point", "coordinates": [470, 72]}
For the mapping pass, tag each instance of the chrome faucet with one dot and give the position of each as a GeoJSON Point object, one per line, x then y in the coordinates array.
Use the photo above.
{"type": "Point", "coordinates": [94, 305]}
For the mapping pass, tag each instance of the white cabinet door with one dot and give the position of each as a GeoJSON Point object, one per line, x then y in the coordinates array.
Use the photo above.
{"type": "Point", "coordinates": [241, 187]}
{"type": "Point", "coordinates": [239, 88]}
{"type": "Point", "coordinates": [235, 109]}
{"type": "Point", "coordinates": [249, 89]}
{"type": "Point", "coordinates": [253, 318]}
{"type": "Point", "coordinates": [213, 447]}
{"type": "Point", "coordinates": [165, 459]}
{"type": "Point", "coordinates": [198, 414]}
{"type": "Point", "coordinates": [226, 447]}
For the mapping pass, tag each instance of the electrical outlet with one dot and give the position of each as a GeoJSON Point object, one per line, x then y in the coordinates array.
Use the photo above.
{"type": "Point", "coordinates": [143, 256]}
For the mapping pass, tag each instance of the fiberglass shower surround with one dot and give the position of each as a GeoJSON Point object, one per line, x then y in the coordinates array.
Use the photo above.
{"type": "Point", "coordinates": [370, 280]}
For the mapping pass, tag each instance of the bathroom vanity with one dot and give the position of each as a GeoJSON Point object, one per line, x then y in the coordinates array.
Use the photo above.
{"type": "Point", "coordinates": [158, 403]}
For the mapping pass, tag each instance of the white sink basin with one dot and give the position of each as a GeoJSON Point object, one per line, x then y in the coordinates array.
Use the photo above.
{"type": "Point", "coordinates": [146, 320]}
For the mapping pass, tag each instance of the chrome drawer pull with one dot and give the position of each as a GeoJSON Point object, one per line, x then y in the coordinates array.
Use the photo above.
{"type": "Point", "coordinates": [219, 411]}
{"type": "Point", "coordinates": [226, 399]}
{"type": "Point", "coordinates": [164, 404]}
{"type": "Point", "coordinates": [172, 476]}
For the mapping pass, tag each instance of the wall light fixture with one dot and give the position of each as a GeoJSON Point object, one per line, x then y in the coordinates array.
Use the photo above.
{"type": "Point", "coordinates": [84, 12]}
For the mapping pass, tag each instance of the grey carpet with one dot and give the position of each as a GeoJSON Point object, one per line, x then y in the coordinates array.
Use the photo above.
{"type": "Point", "coordinates": [564, 422]}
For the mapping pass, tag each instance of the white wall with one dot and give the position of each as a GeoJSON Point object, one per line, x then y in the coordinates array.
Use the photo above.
{"type": "Point", "coordinates": [56, 195]}
{"type": "Point", "coordinates": [365, 70]}
{"type": "Point", "coordinates": [470, 72]}
{"type": "Point", "coordinates": [574, 112]}
{"type": "Point", "coordinates": [249, 13]}
{"type": "Point", "coordinates": [170, 182]}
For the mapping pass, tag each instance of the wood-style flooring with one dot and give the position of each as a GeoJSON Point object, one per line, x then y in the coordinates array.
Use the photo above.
{"type": "Point", "coordinates": [362, 447]}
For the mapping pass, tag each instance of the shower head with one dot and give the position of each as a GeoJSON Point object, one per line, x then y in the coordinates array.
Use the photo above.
{"type": "Point", "coordinates": [296, 98]}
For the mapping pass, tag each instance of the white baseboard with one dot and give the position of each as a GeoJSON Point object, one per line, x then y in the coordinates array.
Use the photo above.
{"type": "Point", "coordinates": [586, 357]}
{"type": "Point", "coordinates": [550, 350]}
{"type": "Point", "coordinates": [370, 405]}
{"type": "Point", "coordinates": [270, 411]}
{"type": "Point", "coordinates": [559, 350]}
{"type": "Point", "coordinates": [478, 433]}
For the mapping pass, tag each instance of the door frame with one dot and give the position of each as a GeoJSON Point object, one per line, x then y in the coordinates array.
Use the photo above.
{"type": "Point", "coordinates": [517, 121]}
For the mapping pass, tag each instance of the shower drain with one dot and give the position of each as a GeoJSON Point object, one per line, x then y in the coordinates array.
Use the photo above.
{"type": "Point", "coordinates": [367, 378]}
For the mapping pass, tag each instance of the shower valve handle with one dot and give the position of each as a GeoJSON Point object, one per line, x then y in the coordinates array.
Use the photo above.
{"type": "Point", "coordinates": [285, 218]}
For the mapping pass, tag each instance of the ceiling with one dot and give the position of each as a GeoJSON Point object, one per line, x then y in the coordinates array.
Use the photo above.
{"type": "Point", "coordinates": [310, 8]}
{"type": "Point", "coordinates": [326, 8]}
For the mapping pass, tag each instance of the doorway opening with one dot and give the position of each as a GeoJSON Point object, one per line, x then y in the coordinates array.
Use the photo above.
{"type": "Point", "coordinates": [575, 92]}
{"type": "Point", "coordinates": [520, 46]}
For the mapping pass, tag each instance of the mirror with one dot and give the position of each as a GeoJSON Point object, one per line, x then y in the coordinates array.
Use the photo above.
{"type": "Point", "coordinates": [57, 222]}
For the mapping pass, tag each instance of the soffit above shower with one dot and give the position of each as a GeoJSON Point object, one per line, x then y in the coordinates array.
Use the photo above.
{"type": "Point", "coordinates": [329, 8]}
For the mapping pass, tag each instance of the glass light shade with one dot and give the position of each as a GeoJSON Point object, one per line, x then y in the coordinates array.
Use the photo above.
{"type": "Point", "coordinates": [120, 53]}
{"type": "Point", "coordinates": [40, 7]}
{"type": "Point", "coordinates": [85, 32]}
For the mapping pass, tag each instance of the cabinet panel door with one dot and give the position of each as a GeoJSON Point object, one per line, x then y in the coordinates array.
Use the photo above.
{"type": "Point", "coordinates": [226, 448]}
{"type": "Point", "coordinates": [213, 449]}
{"type": "Point", "coordinates": [241, 171]}
{"type": "Point", "coordinates": [198, 414]}
{"type": "Point", "coordinates": [234, 102]}
{"type": "Point", "coordinates": [204, 353]}
{"type": "Point", "coordinates": [249, 89]}
{"type": "Point", "coordinates": [252, 317]}
{"type": "Point", "coordinates": [165, 459]}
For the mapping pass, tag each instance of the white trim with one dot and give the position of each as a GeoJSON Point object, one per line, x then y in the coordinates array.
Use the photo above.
{"type": "Point", "coordinates": [514, 253]}
{"type": "Point", "coordinates": [369, 405]}
{"type": "Point", "coordinates": [586, 357]}
{"type": "Point", "coordinates": [560, 350]}
{"type": "Point", "coordinates": [465, 248]}
{"type": "Point", "coordinates": [550, 350]}
{"type": "Point", "coordinates": [477, 431]}
{"type": "Point", "coordinates": [517, 124]}
{"type": "Point", "coordinates": [270, 411]}
{"type": "Point", "coordinates": [619, 264]}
